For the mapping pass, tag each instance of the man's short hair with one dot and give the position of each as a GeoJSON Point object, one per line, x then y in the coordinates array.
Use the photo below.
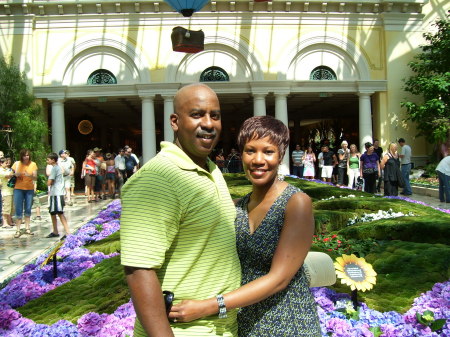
{"type": "Point", "coordinates": [258, 127]}
{"type": "Point", "coordinates": [52, 156]}
{"type": "Point", "coordinates": [401, 140]}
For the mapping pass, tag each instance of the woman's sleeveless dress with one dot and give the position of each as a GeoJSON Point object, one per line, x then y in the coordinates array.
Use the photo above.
{"type": "Point", "coordinates": [290, 312]}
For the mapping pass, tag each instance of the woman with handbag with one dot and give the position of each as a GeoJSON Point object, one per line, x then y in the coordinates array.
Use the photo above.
{"type": "Point", "coordinates": [274, 230]}
{"type": "Point", "coordinates": [369, 168]}
{"type": "Point", "coordinates": [25, 171]}
{"type": "Point", "coordinates": [391, 166]}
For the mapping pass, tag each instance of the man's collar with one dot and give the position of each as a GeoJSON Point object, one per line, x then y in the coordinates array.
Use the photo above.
{"type": "Point", "coordinates": [181, 159]}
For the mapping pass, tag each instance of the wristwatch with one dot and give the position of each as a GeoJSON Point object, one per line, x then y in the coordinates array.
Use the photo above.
{"type": "Point", "coordinates": [222, 307]}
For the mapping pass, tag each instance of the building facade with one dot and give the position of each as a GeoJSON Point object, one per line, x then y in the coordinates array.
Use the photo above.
{"type": "Point", "coordinates": [106, 74]}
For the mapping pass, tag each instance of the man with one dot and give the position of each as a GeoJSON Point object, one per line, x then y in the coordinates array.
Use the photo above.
{"type": "Point", "coordinates": [128, 149]}
{"type": "Point", "coordinates": [177, 224]}
{"type": "Point", "coordinates": [131, 163]}
{"type": "Point", "coordinates": [297, 165]}
{"type": "Point", "coordinates": [67, 172]}
{"type": "Point", "coordinates": [443, 171]}
{"type": "Point", "coordinates": [329, 160]}
{"type": "Point", "coordinates": [121, 173]}
{"type": "Point", "coordinates": [405, 160]}
{"type": "Point", "coordinates": [379, 151]}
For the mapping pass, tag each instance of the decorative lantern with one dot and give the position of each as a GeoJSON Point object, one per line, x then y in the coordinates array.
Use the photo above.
{"type": "Point", "coordinates": [187, 41]}
{"type": "Point", "coordinates": [187, 7]}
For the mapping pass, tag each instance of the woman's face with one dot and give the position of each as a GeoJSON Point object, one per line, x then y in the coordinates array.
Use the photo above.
{"type": "Point", "coordinates": [26, 157]}
{"type": "Point", "coordinates": [353, 148]}
{"type": "Point", "coordinates": [261, 159]}
{"type": "Point", "coordinates": [393, 148]}
{"type": "Point", "coordinates": [370, 150]}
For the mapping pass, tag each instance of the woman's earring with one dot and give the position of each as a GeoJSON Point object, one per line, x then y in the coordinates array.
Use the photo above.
{"type": "Point", "coordinates": [280, 176]}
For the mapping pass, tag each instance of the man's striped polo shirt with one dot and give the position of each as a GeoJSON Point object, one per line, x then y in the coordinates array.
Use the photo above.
{"type": "Point", "coordinates": [178, 219]}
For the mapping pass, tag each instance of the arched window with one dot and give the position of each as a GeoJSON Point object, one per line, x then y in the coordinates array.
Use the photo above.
{"type": "Point", "coordinates": [322, 73]}
{"type": "Point", "coordinates": [102, 76]}
{"type": "Point", "coordinates": [214, 74]}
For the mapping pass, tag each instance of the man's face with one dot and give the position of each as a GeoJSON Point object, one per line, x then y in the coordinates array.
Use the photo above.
{"type": "Point", "coordinates": [375, 144]}
{"type": "Point", "coordinates": [128, 153]}
{"type": "Point", "coordinates": [297, 147]}
{"type": "Point", "coordinates": [197, 122]}
{"type": "Point", "coordinates": [63, 155]}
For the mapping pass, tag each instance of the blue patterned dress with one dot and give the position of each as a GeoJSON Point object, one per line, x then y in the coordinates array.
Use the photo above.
{"type": "Point", "coordinates": [290, 312]}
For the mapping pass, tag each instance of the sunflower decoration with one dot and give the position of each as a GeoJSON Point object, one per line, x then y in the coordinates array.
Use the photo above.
{"type": "Point", "coordinates": [355, 272]}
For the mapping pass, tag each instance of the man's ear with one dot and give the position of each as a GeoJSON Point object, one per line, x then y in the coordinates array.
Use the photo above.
{"type": "Point", "coordinates": [174, 122]}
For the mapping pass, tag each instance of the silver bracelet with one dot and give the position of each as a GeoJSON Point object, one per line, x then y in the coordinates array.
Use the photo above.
{"type": "Point", "coordinates": [222, 307]}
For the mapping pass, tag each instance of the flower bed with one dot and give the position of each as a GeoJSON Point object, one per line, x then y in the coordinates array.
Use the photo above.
{"type": "Point", "coordinates": [337, 317]}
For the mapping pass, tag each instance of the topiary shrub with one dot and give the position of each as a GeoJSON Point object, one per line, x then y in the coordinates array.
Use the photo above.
{"type": "Point", "coordinates": [100, 289]}
{"type": "Point", "coordinates": [424, 229]}
{"type": "Point", "coordinates": [108, 245]}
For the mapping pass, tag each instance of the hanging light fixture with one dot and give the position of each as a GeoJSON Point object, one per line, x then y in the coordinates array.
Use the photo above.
{"type": "Point", "coordinates": [187, 7]}
{"type": "Point", "coordinates": [187, 41]}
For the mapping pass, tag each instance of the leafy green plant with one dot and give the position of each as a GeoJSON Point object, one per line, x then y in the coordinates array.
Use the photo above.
{"type": "Point", "coordinates": [427, 319]}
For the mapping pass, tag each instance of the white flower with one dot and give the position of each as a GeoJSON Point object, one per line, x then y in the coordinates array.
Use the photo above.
{"type": "Point", "coordinates": [377, 216]}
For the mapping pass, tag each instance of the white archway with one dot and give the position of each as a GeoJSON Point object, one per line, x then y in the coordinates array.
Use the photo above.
{"type": "Point", "coordinates": [234, 57]}
{"type": "Point", "coordinates": [343, 57]}
{"type": "Point", "coordinates": [123, 59]}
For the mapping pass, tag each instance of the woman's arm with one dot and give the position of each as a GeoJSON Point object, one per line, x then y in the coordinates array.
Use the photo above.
{"type": "Point", "coordinates": [293, 246]}
{"type": "Point", "coordinates": [383, 161]}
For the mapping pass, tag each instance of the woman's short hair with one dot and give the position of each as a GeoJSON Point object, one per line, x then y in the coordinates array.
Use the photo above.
{"type": "Point", "coordinates": [264, 126]}
{"type": "Point", "coordinates": [23, 153]}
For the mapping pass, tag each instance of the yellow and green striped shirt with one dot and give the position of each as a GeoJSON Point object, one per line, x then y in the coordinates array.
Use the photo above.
{"type": "Point", "coordinates": [178, 219]}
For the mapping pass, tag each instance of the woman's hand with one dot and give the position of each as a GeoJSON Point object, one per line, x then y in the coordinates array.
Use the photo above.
{"type": "Point", "coordinates": [190, 310]}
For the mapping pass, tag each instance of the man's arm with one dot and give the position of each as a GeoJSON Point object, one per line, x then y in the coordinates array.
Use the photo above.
{"type": "Point", "coordinates": [148, 301]}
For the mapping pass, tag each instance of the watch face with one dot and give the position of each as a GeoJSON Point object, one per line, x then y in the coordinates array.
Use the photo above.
{"type": "Point", "coordinates": [85, 127]}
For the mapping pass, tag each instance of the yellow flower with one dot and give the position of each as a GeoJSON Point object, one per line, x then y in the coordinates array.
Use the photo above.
{"type": "Point", "coordinates": [355, 272]}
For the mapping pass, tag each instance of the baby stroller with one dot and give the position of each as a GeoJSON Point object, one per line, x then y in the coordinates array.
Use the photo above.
{"type": "Point", "coordinates": [359, 186]}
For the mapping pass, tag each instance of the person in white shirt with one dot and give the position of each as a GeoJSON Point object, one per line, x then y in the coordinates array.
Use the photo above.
{"type": "Point", "coordinates": [67, 171]}
{"type": "Point", "coordinates": [443, 171]}
{"type": "Point", "coordinates": [121, 175]}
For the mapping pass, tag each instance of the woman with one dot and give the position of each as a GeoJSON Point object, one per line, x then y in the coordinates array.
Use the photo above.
{"type": "Point", "coordinates": [274, 228]}
{"type": "Point", "coordinates": [391, 166]}
{"type": "Point", "coordinates": [353, 165]}
{"type": "Point", "coordinates": [89, 172]}
{"type": "Point", "coordinates": [369, 168]}
{"type": "Point", "coordinates": [309, 158]}
{"type": "Point", "coordinates": [110, 174]}
{"type": "Point", "coordinates": [26, 172]}
{"type": "Point", "coordinates": [343, 154]}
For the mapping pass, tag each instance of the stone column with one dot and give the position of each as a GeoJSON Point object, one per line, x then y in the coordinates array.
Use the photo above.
{"type": "Point", "coordinates": [148, 128]}
{"type": "Point", "coordinates": [259, 104]}
{"type": "Point", "coordinates": [58, 126]}
{"type": "Point", "coordinates": [365, 120]}
{"type": "Point", "coordinates": [281, 113]}
{"type": "Point", "coordinates": [168, 110]}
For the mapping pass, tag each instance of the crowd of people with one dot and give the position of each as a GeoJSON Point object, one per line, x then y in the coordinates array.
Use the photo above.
{"type": "Point", "coordinates": [349, 167]}
{"type": "Point", "coordinates": [104, 177]}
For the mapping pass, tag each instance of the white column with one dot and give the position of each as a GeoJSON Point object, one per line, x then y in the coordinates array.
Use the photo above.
{"type": "Point", "coordinates": [148, 129]}
{"type": "Point", "coordinates": [58, 126]}
{"type": "Point", "coordinates": [365, 120]}
{"type": "Point", "coordinates": [281, 113]}
{"type": "Point", "coordinates": [259, 104]}
{"type": "Point", "coordinates": [168, 110]}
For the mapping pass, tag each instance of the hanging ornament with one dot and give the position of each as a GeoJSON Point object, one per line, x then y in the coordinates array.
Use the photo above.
{"type": "Point", "coordinates": [187, 7]}
{"type": "Point", "coordinates": [85, 127]}
{"type": "Point", "coordinates": [187, 41]}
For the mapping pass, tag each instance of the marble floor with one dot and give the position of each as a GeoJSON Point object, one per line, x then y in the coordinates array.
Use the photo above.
{"type": "Point", "coordinates": [15, 253]}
